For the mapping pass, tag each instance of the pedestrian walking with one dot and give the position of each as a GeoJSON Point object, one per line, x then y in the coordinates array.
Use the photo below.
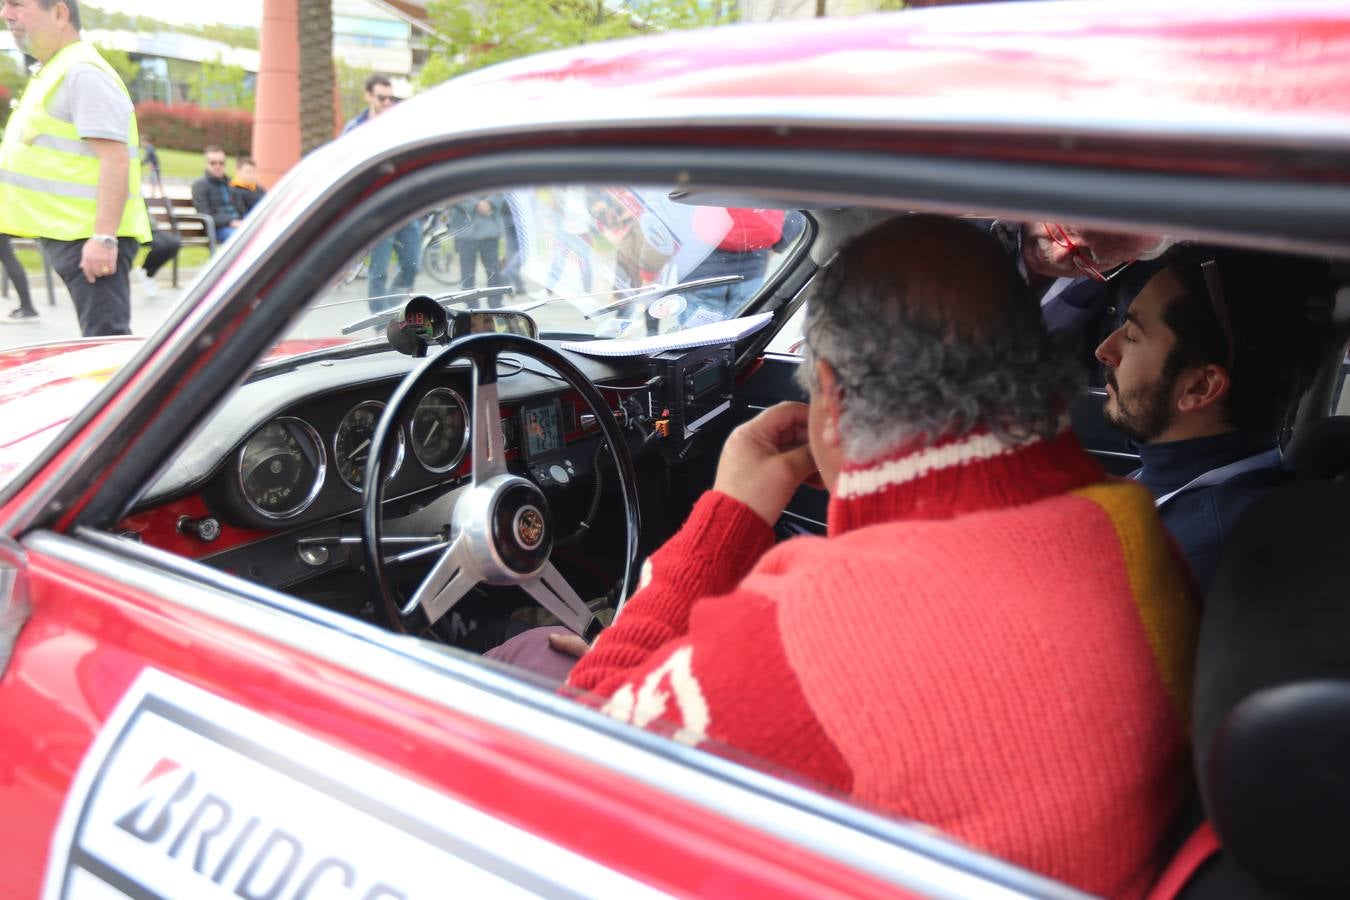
{"type": "Point", "coordinates": [407, 240]}
{"type": "Point", "coordinates": [25, 312]}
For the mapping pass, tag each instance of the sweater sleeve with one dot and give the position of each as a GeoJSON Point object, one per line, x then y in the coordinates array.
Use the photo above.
{"type": "Point", "coordinates": [698, 658]}
{"type": "Point", "coordinates": [715, 549]}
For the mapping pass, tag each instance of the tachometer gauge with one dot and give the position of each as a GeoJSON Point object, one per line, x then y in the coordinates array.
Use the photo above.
{"type": "Point", "coordinates": [281, 468]}
{"type": "Point", "coordinates": [351, 444]}
{"type": "Point", "coordinates": [439, 430]}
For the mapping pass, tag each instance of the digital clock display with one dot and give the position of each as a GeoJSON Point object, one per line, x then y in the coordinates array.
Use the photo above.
{"type": "Point", "coordinates": [542, 425]}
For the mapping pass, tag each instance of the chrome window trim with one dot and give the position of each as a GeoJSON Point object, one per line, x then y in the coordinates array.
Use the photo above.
{"type": "Point", "coordinates": [906, 856]}
{"type": "Point", "coordinates": [14, 605]}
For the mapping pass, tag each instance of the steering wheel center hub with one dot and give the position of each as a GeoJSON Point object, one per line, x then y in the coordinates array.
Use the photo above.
{"type": "Point", "coordinates": [507, 525]}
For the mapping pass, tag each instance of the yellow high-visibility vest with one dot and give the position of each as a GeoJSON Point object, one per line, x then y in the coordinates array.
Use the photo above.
{"type": "Point", "coordinates": [48, 175]}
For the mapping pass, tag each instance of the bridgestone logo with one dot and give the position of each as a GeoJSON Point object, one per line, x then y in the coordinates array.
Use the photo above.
{"type": "Point", "coordinates": [185, 794]}
{"type": "Point", "coordinates": [242, 853]}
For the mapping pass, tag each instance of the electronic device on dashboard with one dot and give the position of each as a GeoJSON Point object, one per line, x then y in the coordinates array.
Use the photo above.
{"type": "Point", "coordinates": [541, 429]}
{"type": "Point", "coordinates": [698, 386]}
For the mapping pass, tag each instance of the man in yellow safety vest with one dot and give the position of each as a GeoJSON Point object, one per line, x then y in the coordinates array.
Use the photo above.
{"type": "Point", "coordinates": [70, 164]}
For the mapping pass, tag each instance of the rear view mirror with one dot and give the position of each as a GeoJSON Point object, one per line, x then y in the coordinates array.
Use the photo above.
{"type": "Point", "coordinates": [424, 321]}
{"type": "Point", "coordinates": [492, 321]}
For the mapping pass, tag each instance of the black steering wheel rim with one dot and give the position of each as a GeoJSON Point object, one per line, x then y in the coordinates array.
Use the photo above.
{"type": "Point", "coordinates": [483, 350]}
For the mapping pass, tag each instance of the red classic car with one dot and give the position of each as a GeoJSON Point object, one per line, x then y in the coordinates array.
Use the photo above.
{"type": "Point", "coordinates": [247, 564]}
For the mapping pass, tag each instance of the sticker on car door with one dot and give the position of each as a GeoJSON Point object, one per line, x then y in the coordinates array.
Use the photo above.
{"type": "Point", "coordinates": [186, 794]}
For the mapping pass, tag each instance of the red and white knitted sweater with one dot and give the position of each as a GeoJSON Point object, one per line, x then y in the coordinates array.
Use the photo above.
{"type": "Point", "coordinates": [994, 641]}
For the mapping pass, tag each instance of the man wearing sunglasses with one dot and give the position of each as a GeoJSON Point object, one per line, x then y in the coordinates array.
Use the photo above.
{"type": "Point", "coordinates": [407, 240]}
{"type": "Point", "coordinates": [1213, 354]}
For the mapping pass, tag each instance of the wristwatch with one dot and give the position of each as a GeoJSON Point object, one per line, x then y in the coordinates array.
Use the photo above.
{"type": "Point", "coordinates": [107, 240]}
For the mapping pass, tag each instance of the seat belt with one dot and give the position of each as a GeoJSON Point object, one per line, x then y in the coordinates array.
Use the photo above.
{"type": "Point", "coordinates": [1265, 460]}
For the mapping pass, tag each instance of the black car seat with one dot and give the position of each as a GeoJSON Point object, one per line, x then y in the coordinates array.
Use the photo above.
{"type": "Point", "coordinates": [1272, 707]}
{"type": "Point", "coordinates": [1321, 448]}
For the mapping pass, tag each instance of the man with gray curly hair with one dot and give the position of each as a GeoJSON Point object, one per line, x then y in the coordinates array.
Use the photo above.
{"type": "Point", "coordinates": [993, 638]}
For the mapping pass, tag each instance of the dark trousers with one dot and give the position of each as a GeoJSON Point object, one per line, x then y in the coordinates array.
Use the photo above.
{"type": "Point", "coordinates": [104, 307]}
{"type": "Point", "coordinates": [16, 274]}
{"type": "Point", "coordinates": [407, 242]}
{"type": "Point", "coordinates": [164, 247]}
{"type": "Point", "coordinates": [470, 251]}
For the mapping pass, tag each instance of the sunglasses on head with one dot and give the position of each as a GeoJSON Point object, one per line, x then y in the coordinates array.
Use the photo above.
{"type": "Point", "coordinates": [1209, 269]}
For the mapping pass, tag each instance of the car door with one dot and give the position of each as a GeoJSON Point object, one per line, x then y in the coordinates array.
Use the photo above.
{"type": "Point", "coordinates": [169, 737]}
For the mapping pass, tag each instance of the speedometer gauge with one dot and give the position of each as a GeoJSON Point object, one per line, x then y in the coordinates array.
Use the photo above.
{"type": "Point", "coordinates": [439, 430]}
{"type": "Point", "coordinates": [351, 444]}
{"type": "Point", "coordinates": [281, 468]}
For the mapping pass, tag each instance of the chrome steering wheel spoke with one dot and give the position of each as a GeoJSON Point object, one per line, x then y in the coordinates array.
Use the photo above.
{"type": "Point", "coordinates": [489, 445]}
{"type": "Point", "coordinates": [453, 576]}
{"type": "Point", "coordinates": [551, 591]}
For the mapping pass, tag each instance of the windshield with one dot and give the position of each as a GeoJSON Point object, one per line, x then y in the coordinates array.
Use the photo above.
{"type": "Point", "coordinates": [585, 262]}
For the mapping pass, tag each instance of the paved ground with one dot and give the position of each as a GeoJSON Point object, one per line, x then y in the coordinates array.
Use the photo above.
{"type": "Point", "coordinates": [339, 304]}
{"type": "Point", "coordinates": [58, 322]}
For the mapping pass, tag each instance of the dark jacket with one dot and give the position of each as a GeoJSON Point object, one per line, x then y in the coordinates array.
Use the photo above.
{"type": "Point", "coordinates": [245, 198]}
{"type": "Point", "coordinates": [1200, 518]}
{"type": "Point", "coordinates": [212, 197]}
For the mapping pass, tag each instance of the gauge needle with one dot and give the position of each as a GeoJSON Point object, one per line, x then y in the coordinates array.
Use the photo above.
{"type": "Point", "coordinates": [359, 447]}
{"type": "Point", "coordinates": [431, 432]}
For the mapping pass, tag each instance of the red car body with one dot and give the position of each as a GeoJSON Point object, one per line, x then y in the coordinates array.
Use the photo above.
{"type": "Point", "coordinates": [142, 695]}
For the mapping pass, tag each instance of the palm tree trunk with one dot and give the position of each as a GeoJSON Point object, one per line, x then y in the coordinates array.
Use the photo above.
{"type": "Point", "coordinates": [316, 73]}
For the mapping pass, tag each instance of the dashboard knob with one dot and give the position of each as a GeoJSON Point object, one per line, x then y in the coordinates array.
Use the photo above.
{"type": "Point", "coordinates": [207, 528]}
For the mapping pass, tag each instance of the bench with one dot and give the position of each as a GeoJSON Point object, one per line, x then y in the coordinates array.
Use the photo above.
{"type": "Point", "coordinates": [29, 244]}
{"type": "Point", "coordinates": [177, 214]}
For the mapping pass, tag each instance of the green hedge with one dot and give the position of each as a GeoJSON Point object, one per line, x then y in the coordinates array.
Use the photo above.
{"type": "Point", "coordinates": [185, 126]}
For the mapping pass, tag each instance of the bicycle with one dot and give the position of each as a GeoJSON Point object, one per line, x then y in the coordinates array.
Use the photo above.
{"type": "Point", "coordinates": [439, 228]}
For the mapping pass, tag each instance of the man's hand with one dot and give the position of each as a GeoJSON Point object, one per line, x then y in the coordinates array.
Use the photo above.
{"type": "Point", "coordinates": [571, 644]}
{"type": "Point", "coordinates": [97, 260]}
{"type": "Point", "coordinates": [765, 460]}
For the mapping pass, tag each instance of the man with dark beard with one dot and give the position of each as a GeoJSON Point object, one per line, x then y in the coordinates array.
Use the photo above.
{"type": "Point", "coordinates": [1214, 352]}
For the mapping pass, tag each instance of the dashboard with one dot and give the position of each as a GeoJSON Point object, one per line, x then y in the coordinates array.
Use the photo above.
{"type": "Point", "coordinates": [287, 453]}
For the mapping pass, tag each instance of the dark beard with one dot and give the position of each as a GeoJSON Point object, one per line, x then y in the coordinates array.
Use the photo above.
{"type": "Point", "coordinates": [1144, 413]}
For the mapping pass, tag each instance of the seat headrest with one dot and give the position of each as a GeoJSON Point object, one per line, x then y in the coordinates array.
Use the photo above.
{"type": "Point", "coordinates": [1321, 449]}
{"type": "Point", "coordinates": [1272, 704]}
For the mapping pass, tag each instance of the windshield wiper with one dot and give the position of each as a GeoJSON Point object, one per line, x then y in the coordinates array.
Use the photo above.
{"type": "Point", "coordinates": [448, 300]}
{"type": "Point", "coordinates": [661, 290]}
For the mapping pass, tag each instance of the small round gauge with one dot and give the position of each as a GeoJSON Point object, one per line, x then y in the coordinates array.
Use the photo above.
{"type": "Point", "coordinates": [351, 444]}
{"type": "Point", "coordinates": [439, 430]}
{"type": "Point", "coordinates": [281, 468]}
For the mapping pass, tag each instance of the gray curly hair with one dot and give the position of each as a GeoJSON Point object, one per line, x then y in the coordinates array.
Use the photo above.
{"type": "Point", "coordinates": [931, 333]}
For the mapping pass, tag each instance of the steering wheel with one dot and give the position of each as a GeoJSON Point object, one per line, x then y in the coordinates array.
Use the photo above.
{"type": "Point", "coordinates": [501, 530]}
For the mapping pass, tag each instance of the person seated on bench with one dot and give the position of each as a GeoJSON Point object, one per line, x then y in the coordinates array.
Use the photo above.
{"type": "Point", "coordinates": [244, 186]}
{"type": "Point", "coordinates": [212, 197]}
{"type": "Point", "coordinates": [164, 246]}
